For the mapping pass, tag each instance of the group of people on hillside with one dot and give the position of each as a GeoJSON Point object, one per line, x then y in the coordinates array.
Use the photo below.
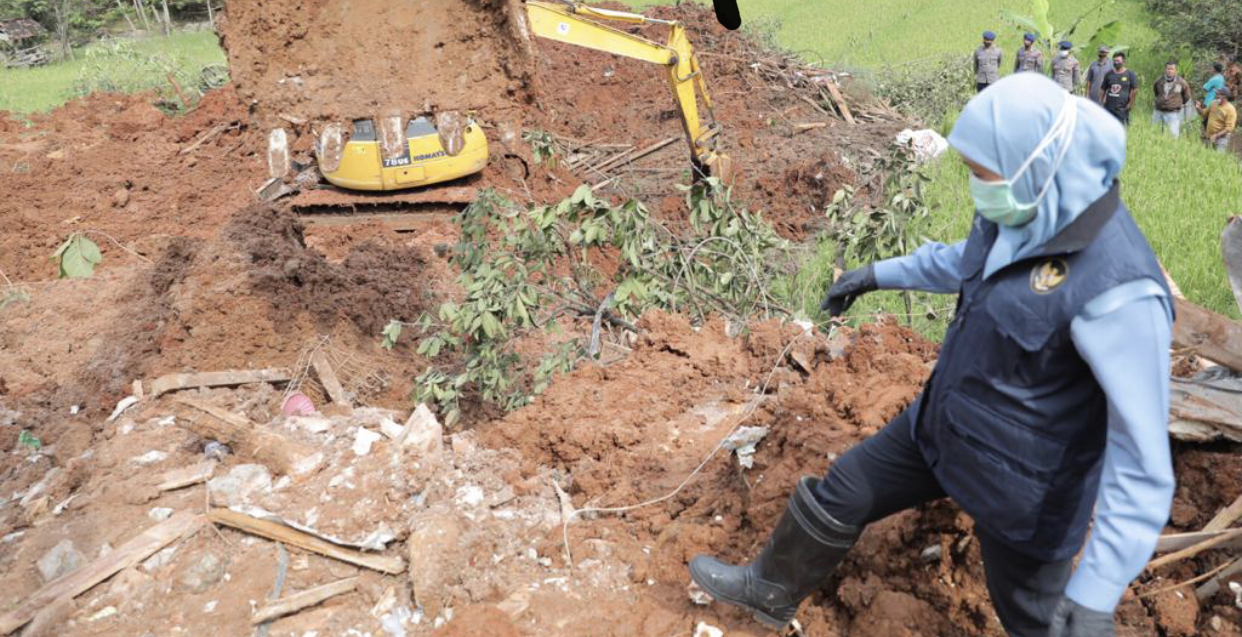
{"type": "Point", "coordinates": [1115, 87]}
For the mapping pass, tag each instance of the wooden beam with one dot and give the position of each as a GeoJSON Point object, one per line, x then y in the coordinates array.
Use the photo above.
{"type": "Point", "coordinates": [174, 382]}
{"type": "Point", "coordinates": [293, 537]}
{"type": "Point", "coordinates": [1195, 549]}
{"type": "Point", "coordinates": [1178, 541]}
{"type": "Point", "coordinates": [136, 550]}
{"type": "Point", "coordinates": [840, 100]}
{"type": "Point", "coordinates": [1226, 517]}
{"type": "Point", "coordinates": [328, 378]}
{"type": "Point", "coordinates": [1209, 334]}
{"type": "Point", "coordinates": [280, 453]}
{"type": "Point", "coordinates": [186, 476]}
{"type": "Point", "coordinates": [305, 599]}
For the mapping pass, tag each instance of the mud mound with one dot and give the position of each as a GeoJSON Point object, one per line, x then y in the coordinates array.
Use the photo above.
{"type": "Point", "coordinates": [375, 283]}
{"type": "Point", "coordinates": [113, 164]}
{"type": "Point", "coordinates": [629, 433]}
{"type": "Point", "coordinates": [323, 60]}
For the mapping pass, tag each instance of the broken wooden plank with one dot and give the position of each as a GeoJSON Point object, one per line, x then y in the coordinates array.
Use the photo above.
{"type": "Point", "coordinates": [208, 136]}
{"type": "Point", "coordinates": [305, 599]}
{"type": "Point", "coordinates": [1209, 334]}
{"type": "Point", "coordinates": [136, 550]}
{"type": "Point", "coordinates": [1195, 549]}
{"type": "Point", "coordinates": [328, 378]}
{"type": "Point", "coordinates": [280, 533]}
{"type": "Point", "coordinates": [1212, 586]}
{"type": "Point", "coordinates": [810, 126]}
{"type": "Point", "coordinates": [186, 476]}
{"type": "Point", "coordinates": [1178, 541]}
{"type": "Point", "coordinates": [632, 156]}
{"type": "Point", "coordinates": [280, 453]}
{"type": "Point", "coordinates": [840, 100]}
{"type": "Point", "coordinates": [1226, 517]}
{"type": "Point", "coordinates": [1205, 410]}
{"type": "Point", "coordinates": [174, 382]}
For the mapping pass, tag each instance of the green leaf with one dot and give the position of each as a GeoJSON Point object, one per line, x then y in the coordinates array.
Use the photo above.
{"type": "Point", "coordinates": [28, 439]}
{"type": "Point", "coordinates": [491, 326]}
{"type": "Point", "coordinates": [78, 257]}
{"type": "Point", "coordinates": [390, 334]}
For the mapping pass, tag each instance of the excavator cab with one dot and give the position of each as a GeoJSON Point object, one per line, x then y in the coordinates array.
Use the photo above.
{"type": "Point", "coordinates": [396, 154]}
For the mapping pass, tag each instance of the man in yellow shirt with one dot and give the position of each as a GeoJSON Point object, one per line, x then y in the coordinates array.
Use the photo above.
{"type": "Point", "coordinates": [1221, 120]}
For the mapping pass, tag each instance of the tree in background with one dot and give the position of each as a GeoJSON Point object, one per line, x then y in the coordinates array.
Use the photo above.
{"type": "Point", "coordinates": [74, 21]}
{"type": "Point", "coordinates": [1050, 35]}
{"type": "Point", "coordinates": [1211, 26]}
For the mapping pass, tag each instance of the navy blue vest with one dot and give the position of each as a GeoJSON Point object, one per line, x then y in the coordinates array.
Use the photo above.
{"type": "Point", "coordinates": [1012, 421]}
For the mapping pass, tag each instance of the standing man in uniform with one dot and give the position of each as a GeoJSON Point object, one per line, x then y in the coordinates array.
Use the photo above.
{"type": "Point", "coordinates": [1096, 72]}
{"type": "Point", "coordinates": [1065, 67]}
{"type": "Point", "coordinates": [987, 62]}
{"type": "Point", "coordinates": [1118, 93]}
{"type": "Point", "coordinates": [1048, 406]}
{"type": "Point", "coordinates": [1172, 96]}
{"type": "Point", "coordinates": [1029, 58]}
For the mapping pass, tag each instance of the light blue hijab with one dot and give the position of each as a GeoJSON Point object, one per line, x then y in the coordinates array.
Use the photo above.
{"type": "Point", "coordinates": [1003, 125]}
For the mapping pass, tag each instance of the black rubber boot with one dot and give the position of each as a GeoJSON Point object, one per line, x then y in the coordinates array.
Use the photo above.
{"type": "Point", "coordinates": [802, 552]}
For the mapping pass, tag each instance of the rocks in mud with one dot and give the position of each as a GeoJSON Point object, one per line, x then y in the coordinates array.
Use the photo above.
{"type": "Point", "coordinates": [239, 484]}
{"type": "Point", "coordinates": [435, 559]}
{"type": "Point", "coordinates": [203, 573]}
{"type": "Point", "coordinates": [1177, 612]}
{"type": "Point", "coordinates": [61, 560]}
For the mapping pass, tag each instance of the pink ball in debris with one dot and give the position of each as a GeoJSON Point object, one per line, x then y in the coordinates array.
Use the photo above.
{"type": "Point", "coordinates": [298, 405]}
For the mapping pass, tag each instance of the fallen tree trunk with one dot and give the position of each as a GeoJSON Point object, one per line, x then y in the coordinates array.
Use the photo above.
{"type": "Point", "coordinates": [1205, 410]}
{"type": "Point", "coordinates": [1209, 334]}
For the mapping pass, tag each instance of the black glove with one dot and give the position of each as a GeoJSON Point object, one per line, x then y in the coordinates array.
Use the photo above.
{"type": "Point", "coordinates": [1073, 620]}
{"type": "Point", "coordinates": [847, 288]}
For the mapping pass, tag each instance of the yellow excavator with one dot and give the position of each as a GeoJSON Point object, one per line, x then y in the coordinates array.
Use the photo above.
{"type": "Point", "coordinates": [391, 154]}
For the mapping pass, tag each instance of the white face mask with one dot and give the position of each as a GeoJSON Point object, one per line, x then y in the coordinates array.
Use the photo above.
{"type": "Point", "coordinates": [1064, 54]}
{"type": "Point", "coordinates": [995, 200]}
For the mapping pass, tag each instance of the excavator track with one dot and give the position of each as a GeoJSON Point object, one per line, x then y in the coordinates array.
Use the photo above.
{"type": "Point", "coordinates": [403, 211]}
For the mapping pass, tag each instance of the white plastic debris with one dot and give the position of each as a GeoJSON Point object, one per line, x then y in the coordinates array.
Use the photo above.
{"type": "Point", "coordinates": [704, 629]}
{"type": "Point", "coordinates": [210, 606]}
{"type": "Point", "coordinates": [1237, 593]}
{"type": "Point", "coordinates": [125, 403]}
{"type": "Point", "coordinates": [150, 457]}
{"type": "Point", "coordinates": [926, 144]}
{"type": "Point", "coordinates": [697, 594]}
{"type": "Point", "coordinates": [363, 440]}
{"type": "Point", "coordinates": [743, 442]}
{"type": "Point", "coordinates": [469, 495]}
{"type": "Point", "coordinates": [159, 514]}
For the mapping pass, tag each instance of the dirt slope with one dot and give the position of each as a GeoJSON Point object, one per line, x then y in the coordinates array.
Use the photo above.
{"type": "Point", "coordinates": [322, 59]}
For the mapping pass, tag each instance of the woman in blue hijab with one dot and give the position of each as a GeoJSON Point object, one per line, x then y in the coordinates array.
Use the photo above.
{"type": "Point", "coordinates": [1045, 418]}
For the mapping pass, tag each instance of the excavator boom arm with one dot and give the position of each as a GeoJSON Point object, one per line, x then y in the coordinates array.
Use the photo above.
{"type": "Point", "coordinates": [567, 22]}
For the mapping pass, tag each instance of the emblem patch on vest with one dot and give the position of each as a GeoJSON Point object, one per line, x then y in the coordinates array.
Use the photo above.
{"type": "Point", "coordinates": [1049, 275]}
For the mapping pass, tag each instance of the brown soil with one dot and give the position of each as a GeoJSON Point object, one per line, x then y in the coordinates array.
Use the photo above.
{"type": "Point", "coordinates": [197, 277]}
{"type": "Point", "coordinates": [323, 60]}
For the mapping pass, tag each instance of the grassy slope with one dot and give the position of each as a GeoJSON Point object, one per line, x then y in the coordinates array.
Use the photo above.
{"type": "Point", "coordinates": [45, 87]}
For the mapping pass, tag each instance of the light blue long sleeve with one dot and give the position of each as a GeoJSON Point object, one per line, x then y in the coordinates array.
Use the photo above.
{"type": "Point", "coordinates": [1124, 336]}
{"type": "Point", "coordinates": [933, 267]}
